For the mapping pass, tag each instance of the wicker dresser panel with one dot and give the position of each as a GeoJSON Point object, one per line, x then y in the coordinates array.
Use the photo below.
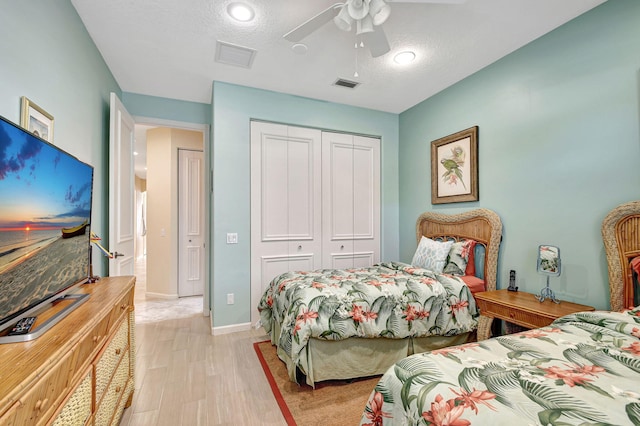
{"type": "Point", "coordinates": [113, 393]}
{"type": "Point", "coordinates": [132, 342]}
{"type": "Point", "coordinates": [110, 357]}
{"type": "Point", "coordinates": [77, 409]}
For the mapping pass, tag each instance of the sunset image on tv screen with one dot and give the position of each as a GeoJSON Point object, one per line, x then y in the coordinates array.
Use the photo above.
{"type": "Point", "coordinates": [45, 212]}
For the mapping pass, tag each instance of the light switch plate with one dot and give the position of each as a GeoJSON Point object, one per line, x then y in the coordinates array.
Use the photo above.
{"type": "Point", "coordinates": [232, 238]}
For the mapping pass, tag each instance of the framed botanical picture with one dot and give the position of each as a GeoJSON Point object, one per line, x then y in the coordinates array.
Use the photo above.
{"type": "Point", "coordinates": [454, 167]}
{"type": "Point", "coordinates": [36, 120]}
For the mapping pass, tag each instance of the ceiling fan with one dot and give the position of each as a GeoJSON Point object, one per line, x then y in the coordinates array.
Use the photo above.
{"type": "Point", "coordinates": [367, 16]}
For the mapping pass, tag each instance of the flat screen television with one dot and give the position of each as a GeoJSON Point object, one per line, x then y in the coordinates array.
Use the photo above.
{"type": "Point", "coordinates": [45, 213]}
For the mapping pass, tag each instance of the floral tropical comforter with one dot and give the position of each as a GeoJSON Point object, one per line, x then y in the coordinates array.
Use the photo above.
{"type": "Point", "coordinates": [389, 300]}
{"type": "Point", "coordinates": [584, 369]}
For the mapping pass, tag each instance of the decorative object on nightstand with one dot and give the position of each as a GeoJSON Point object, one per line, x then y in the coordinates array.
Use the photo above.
{"type": "Point", "coordinates": [512, 281]}
{"type": "Point", "coordinates": [549, 265]}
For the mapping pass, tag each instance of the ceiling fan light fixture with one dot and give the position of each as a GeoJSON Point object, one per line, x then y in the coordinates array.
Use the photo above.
{"type": "Point", "coordinates": [358, 9]}
{"type": "Point", "coordinates": [343, 20]}
{"type": "Point", "coordinates": [405, 57]}
{"type": "Point", "coordinates": [240, 12]}
{"type": "Point", "coordinates": [364, 25]}
{"type": "Point", "coordinates": [379, 11]}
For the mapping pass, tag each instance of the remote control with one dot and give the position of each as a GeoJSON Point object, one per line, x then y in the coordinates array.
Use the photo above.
{"type": "Point", "coordinates": [22, 326]}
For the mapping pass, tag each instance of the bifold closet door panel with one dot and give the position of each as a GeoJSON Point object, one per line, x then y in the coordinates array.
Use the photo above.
{"type": "Point", "coordinates": [351, 200]}
{"type": "Point", "coordinates": [337, 200]}
{"type": "Point", "coordinates": [366, 201]}
{"type": "Point", "coordinates": [285, 199]}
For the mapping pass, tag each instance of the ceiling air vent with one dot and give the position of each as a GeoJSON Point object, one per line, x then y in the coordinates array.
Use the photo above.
{"type": "Point", "coordinates": [346, 83]}
{"type": "Point", "coordinates": [232, 54]}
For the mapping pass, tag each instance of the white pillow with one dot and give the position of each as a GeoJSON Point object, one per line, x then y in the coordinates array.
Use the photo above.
{"type": "Point", "coordinates": [431, 254]}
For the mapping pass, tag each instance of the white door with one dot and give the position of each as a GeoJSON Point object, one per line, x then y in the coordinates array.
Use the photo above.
{"type": "Point", "coordinates": [286, 223]}
{"type": "Point", "coordinates": [191, 223]}
{"type": "Point", "coordinates": [366, 201]}
{"type": "Point", "coordinates": [121, 190]}
{"type": "Point", "coordinates": [350, 200]}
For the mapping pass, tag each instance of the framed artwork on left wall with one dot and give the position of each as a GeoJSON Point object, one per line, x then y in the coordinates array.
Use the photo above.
{"type": "Point", "coordinates": [36, 120]}
{"type": "Point", "coordinates": [454, 167]}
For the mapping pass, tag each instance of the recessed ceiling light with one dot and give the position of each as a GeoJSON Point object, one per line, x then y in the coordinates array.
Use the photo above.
{"type": "Point", "coordinates": [135, 152]}
{"type": "Point", "coordinates": [240, 12]}
{"type": "Point", "coordinates": [404, 57]}
{"type": "Point", "coordinates": [299, 48]}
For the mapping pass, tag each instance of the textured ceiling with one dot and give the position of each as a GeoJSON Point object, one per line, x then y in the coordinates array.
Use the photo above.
{"type": "Point", "coordinates": [167, 48]}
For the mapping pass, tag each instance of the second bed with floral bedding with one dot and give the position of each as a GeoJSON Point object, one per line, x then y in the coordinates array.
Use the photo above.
{"type": "Point", "coordinates": [583, 369]}
{"type": "Point", "coordinates": [348, 323]}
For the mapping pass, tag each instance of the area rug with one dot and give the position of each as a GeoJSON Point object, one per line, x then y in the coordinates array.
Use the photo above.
{"type": "Point", "coordinates": [332, 402]}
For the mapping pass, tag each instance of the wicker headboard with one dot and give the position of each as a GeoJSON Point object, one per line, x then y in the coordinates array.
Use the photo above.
{"type": "Point", "coordinates": [482, 225]}
{"type": "Point", "coordinates": [621, 236]}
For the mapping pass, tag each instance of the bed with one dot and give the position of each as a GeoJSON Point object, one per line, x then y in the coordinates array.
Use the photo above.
{"type": "Point", "coordinates": [343, 324]}
{"type": "Point", "coordinates": [584, 368]}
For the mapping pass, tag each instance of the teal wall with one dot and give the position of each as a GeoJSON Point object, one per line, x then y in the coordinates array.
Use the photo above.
{"type": "Point", "coordinates": [233, 108]}
{"type": "Point", "coordinates": [559, 147]}
{"type": "Point", "coordinates": [48, 56]}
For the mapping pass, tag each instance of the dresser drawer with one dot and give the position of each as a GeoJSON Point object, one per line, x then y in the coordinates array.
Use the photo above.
{"type": "Point", "coordinates": [90, 344]}
{"type": "Point", "coordinates": [77, 409]}
{"type": "Point", "coordinates": [115, 390]}
{"type": "Point", "coordinates": [37, 404]}
{"type": "Point", "coordinates": [514, 315]}
{"type": "Point", "coordinates": [108, 360]}
{"type": "Point", "coordinates": [123, 306]}
{"type": "Point", "coordinates": [123, 402]}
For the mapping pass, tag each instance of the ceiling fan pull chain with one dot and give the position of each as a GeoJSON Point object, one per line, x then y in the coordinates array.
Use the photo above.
{"type": "Point", "coordinates": [355, 74]}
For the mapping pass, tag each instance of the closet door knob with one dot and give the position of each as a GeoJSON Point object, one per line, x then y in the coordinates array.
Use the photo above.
{"type": "Point", "coordinates": [341, 247]}
{"type": "Point", "coordinates": [299, 247]}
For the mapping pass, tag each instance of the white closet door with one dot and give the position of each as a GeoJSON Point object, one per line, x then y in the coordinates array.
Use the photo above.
{"type": "Point", "coordinates": [285, 203]}
{"type": "Point", "coordinates": [350, 201]}
{"type": "Point", "coordinates": [337, 200]}
{"type": "Point", "coordinates": [366, 201]}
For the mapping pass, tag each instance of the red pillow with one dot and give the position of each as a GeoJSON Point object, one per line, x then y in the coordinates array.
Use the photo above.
{"type": "Point", "coordinates": [471, 262]}
{"type": "Point", "coordinates": [475, 284]}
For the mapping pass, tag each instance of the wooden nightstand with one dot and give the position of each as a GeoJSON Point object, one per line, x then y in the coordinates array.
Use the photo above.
{"type": "Point", "coordinates": [520, 308]}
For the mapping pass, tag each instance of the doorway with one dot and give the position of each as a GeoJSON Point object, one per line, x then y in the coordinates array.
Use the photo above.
{"type": "Point", "coordinates": [153, 233]}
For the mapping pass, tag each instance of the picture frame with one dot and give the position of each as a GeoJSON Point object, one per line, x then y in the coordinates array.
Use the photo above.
{"type": "Point", "coordinates": [36, 120]}
{"type": "Point", "coordinates": [454, 167]}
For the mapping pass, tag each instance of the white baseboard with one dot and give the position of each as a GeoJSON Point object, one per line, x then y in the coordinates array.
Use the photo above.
{"type": "Point", "coordinates": [226, 329]}
{"type": "Point", "coordinates": [161, 295]}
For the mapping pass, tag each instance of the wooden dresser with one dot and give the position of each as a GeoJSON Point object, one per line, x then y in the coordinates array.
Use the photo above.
{"type": "Point", "coordinates": [80, 372]}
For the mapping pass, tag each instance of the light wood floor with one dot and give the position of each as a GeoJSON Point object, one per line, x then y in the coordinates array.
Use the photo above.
{"type": "Point", "coordinates": [186, 376]}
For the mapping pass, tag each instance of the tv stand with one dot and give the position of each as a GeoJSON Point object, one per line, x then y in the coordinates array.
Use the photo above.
{"type": "Point", "coordinates": [53, 313]}
{"type": "Point", "coordinates": [78, 372]}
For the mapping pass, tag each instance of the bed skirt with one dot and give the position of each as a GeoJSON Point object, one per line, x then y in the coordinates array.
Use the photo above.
{"type": "Point", "coordinates": [358, 357]}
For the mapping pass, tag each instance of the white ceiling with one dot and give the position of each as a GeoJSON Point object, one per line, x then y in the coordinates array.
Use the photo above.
{"type": "Point", "coordinates": [167, 48]}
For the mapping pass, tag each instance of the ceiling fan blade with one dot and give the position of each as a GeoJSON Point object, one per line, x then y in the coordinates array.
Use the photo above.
{"type": "Point", "coordinates": [428, 1]}
{"type": "Point", "coordinates": [377, 42]}
{"type": "Point", "coordinates": [313, 24]}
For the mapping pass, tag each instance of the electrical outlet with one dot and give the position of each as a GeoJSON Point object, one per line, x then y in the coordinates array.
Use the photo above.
{"type": "Point", "coordinates": [230, 300]}
{"type": "Point", "coordinates": [232, 238]}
